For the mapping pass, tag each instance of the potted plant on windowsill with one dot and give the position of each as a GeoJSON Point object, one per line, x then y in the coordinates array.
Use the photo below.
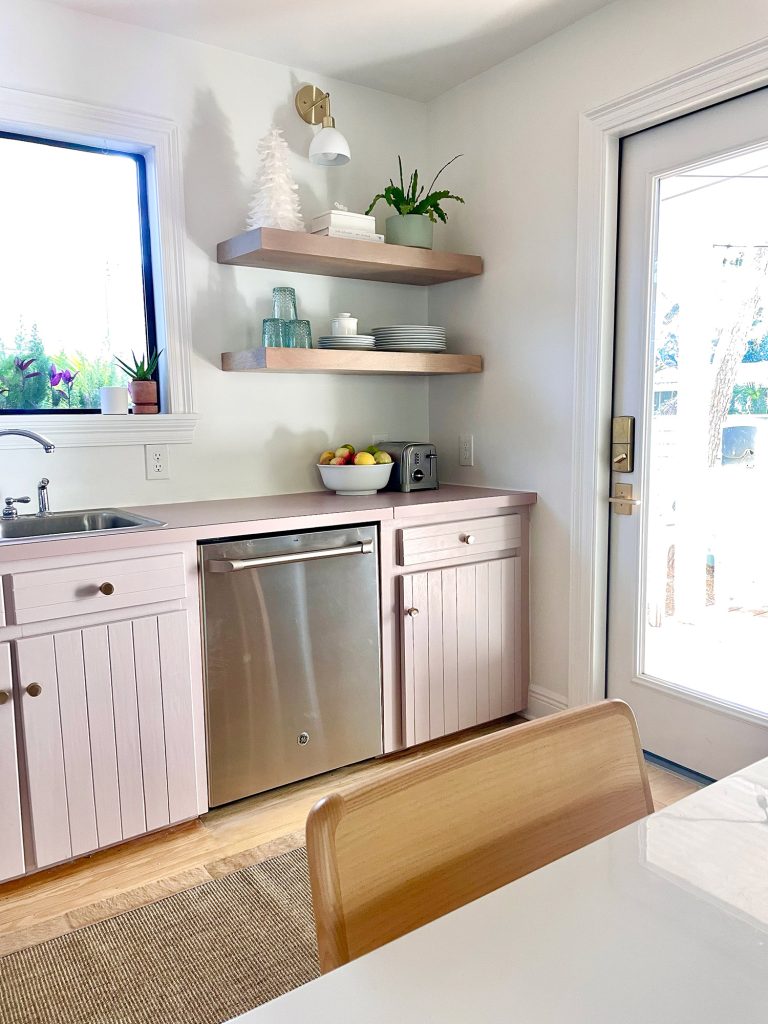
{"type": "Point", "coordinates": [142, 387]}
{"type": "Point", "coordinates": [416, 212]}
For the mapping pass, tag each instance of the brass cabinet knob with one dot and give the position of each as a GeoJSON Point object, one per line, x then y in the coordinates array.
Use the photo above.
{"type": "Point", "coordinates": [412, 611]}
{"type": "Point", "coordinates": [469, 538]}
{"type": "Point", "coordinates": [107, 589]}
{"type": "Point", "coordinates": [34, 689]}
{"type": "Point", "coordinates": [4, 697]}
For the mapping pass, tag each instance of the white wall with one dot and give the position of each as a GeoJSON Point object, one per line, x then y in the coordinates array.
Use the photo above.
{"type": "Point", "coordinates": [518, 126]}
{"type": "Point", "coordinates": [257, 434]}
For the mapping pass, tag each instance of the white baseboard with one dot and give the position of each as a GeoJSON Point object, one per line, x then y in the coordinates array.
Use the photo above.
{"type": "Point", "coordinates": [543, 702]}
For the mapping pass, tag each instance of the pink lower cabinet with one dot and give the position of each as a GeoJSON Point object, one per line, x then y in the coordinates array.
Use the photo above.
{"type": "Point", "coordinates": [108, 733]}
{"type": "Point", "coordinates": [463, 657]}
{"type": "Point", "coordinates": [11, 844]}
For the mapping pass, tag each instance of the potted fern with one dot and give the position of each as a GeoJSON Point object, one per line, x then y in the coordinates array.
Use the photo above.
{"type": "Point", "coordinates": [417, 209]}
{"type": "Point", "coordinates": [142, 387]}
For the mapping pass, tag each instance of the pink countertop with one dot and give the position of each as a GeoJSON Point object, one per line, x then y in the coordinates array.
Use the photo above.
{"type": "Point", "coordinates": [385, 504]}
{"type": "Point", "coordinates": [190, 521]}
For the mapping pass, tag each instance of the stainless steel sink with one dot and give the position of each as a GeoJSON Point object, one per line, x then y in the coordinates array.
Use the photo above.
{"type": "Point", "coordinates": [57, 524]}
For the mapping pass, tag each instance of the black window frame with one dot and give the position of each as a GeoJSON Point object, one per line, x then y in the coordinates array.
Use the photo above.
{"type": "Point", "coordinates": [148, 284]}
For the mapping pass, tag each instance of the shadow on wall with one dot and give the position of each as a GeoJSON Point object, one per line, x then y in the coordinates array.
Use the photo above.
{"type": "Point", "coordinates": [298, 135]}
{"type": "Point", "coordinates": [221, 318]}
{"type": "Point", "coordinates": [216, 196]}
{"type": "Point", "coordinates": [290, 451]}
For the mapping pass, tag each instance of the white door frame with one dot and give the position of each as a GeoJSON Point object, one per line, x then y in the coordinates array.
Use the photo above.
{"type": "Point", "coordinates": [600, 130]}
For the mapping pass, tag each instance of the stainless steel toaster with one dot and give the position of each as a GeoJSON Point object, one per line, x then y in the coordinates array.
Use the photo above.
{"type": "Point", "coordinates": [415, 465]}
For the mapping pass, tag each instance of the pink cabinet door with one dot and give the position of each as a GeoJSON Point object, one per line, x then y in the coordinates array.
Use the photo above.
{"type": "Point", "coordinates": [44, 749]}
{"type": "Point", "coordinates": [11, 845]}
{"type": "Point", "coordinates": [109, 737]}
{"type": "Point", "coordinates": [462, 647]}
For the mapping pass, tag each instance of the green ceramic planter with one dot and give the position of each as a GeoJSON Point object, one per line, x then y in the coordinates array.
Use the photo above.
{"type": "Point", "coordinates": [411, 229]}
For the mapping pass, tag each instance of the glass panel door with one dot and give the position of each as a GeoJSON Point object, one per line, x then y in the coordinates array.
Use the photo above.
{"type": "Point", "coordinates": [688, 591]}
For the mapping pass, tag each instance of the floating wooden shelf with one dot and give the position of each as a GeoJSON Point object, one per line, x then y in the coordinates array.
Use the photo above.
{"type": "Point", "coordinates": [313, 360]}
{"type": "Point", "coordinates": [343, 257]}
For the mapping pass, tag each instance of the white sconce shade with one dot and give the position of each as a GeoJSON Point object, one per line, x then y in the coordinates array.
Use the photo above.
{"type": "Point", "coordinates": [329, 147]}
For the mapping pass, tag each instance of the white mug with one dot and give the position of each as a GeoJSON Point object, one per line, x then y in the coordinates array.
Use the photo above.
{"type": "Point", "coordinates": [114, 401]}
{"type": "Point", "coordinates": [344, 325]}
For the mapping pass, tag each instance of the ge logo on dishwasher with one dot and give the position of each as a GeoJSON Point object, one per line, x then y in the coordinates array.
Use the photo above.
{"type": "Point", "coordinates": [303, 739]}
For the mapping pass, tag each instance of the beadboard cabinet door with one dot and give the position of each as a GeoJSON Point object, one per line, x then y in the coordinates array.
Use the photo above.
{"type": "Point", "coordinates": [108, 733]}
{"type": "Point", "coordinates": [11, 843]}
{"type": "Point", "coordinates": [462, 647]}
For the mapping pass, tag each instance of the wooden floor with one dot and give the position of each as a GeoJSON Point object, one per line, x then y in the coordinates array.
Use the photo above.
{"type": "Point", "coordinates": [107, 883]}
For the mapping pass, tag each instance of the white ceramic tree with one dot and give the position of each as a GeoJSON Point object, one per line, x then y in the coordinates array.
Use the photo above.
{"type": "Point", "coordinates": [275, 202]}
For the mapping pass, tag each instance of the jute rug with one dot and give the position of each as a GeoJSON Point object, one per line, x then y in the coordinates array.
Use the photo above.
{"type": "Point", "coordinates": [201, 956]}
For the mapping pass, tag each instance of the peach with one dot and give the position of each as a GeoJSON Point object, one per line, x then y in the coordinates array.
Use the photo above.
{"type": "Point", "coordinates": [338, 462]}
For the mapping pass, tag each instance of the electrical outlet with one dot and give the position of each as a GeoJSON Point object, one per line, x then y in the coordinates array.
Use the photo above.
{"type": "Point", "coordinates": [466, 450]}
{"type": "Point", "coordinates": [156, 461]}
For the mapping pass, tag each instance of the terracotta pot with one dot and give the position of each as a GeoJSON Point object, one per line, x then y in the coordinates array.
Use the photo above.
{"type": "Point", "coordinates": [144, 396]}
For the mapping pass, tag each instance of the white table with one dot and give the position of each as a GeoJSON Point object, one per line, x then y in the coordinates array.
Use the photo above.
{"type": "Point", "coordinates": [664, 922]}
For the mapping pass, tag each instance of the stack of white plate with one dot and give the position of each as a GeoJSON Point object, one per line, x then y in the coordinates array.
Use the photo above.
{"type": "Point", "coordinates": [359, 341]}
{"type": "Point", "coordinates": [410, 338]}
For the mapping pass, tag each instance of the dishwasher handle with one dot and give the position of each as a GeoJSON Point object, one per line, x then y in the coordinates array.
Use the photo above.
{"type": "Point", "coordinates": [363, 547]}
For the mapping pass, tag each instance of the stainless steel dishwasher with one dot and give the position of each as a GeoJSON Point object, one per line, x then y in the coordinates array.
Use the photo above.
{"type": "Point", "coordinates": [292, 657]}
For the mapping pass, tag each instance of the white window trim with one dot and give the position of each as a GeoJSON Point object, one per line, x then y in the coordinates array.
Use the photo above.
{"type": "Point", "coordinates": [157, 140]}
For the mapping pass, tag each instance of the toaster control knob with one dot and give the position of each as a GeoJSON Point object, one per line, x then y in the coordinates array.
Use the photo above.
{"type": "Point", "coordinates": [418, 474]}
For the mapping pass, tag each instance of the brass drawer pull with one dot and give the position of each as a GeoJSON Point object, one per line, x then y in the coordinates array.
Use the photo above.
{"type": "Point", "coordinates": [468, 538]}
{"type": "Point", "coordinates": [34, 689]}
{"type": "Point", "coordinates": [107, 589]}
{"type": "Point", "coordinates": [4, 697]}
{"type": "Point", "coordinates": [411, 611]}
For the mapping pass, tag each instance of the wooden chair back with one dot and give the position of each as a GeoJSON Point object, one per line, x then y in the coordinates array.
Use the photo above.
{"type": "Point", "coordinates": [388, 856]}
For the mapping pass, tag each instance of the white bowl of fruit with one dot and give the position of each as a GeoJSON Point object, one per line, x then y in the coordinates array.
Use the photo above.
{"type": "Point", "coordinates": [349, 472]}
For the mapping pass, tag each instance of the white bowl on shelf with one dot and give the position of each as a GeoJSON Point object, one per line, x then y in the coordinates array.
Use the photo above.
{"type": "Point", "coordinates": [356, 479]}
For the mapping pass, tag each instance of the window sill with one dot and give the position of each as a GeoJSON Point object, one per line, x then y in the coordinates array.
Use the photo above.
{"type": "Point", "coordinates": [85, 431]}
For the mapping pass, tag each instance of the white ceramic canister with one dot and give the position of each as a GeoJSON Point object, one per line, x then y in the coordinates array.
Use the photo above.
{"type": "Point", "coordinates": [344, 325]}
{"type": "Point", "coordinates": [114, 401]}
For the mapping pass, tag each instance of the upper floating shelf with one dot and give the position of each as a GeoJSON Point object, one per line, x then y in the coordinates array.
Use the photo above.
{"type": "Point", "coordinates": [343, 257]}
{"type": "Point", "coordinates": [306, 360]}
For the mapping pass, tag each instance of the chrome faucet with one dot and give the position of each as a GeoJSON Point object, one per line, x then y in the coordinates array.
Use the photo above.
{"type": "Point", "coordinates": [10, 511]}
{"type": "Point", "coordinates": [43, 504]}
{"type": "Point", "coordinates": [20, 432]}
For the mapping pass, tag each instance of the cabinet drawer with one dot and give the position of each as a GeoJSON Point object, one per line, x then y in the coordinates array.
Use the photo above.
{"type": "Point", "coordinates": [81, 589]}
{"type": "Point", "coordinates": [445, 541]}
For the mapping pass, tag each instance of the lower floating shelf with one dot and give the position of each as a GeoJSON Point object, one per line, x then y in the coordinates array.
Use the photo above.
{"type": "Point", "coordinates": [312, 360]}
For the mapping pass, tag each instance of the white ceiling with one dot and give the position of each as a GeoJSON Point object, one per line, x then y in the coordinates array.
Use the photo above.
{"type": "Point", "coordinates": [415, 48]}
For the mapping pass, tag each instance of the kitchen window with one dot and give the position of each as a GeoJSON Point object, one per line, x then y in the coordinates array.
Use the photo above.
{"type": "Point", "coordinates": [92, 268]}
{"type": "Point", "coordinates": [76, 267]}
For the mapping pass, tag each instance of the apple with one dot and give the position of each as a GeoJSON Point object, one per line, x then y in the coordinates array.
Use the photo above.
{"type": "Point", "coordinates": [364, 459]}
{"type": "Point", "coordinates": [344, 452]}
{"type": "Point", "coordinates": [382, 458]}
{"type": "Point", "coordinates": [325, 458]}
{"type": "Point", "coordinates": [340, 461]}
{"type": "Point", "coordinates": [372, 449]}
{"type": "Point", "coordinates": [350, 447]}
